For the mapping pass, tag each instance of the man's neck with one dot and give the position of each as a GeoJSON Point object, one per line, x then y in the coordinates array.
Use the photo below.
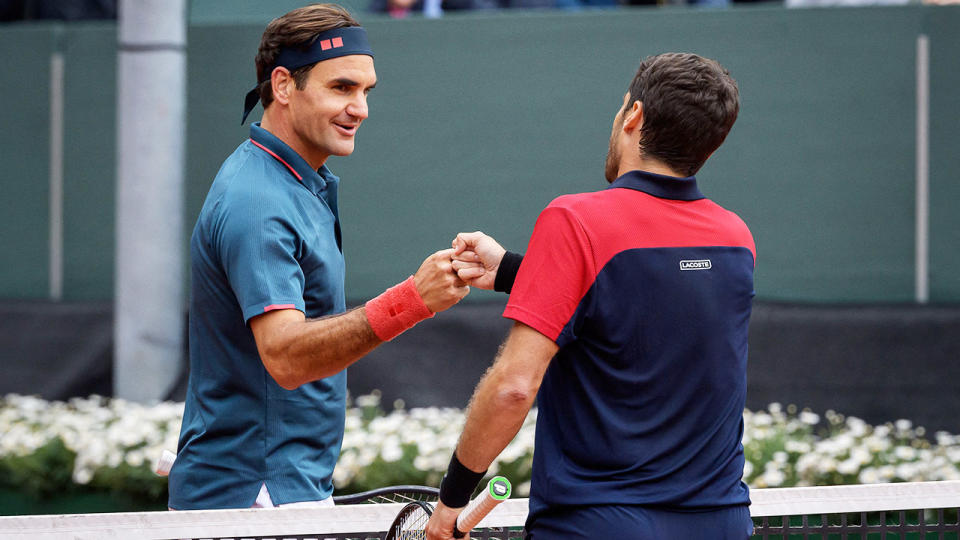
{"type": "Point", "coordinates": [284, 131]}
{"type": "Point", "coordinates": [655, 166]}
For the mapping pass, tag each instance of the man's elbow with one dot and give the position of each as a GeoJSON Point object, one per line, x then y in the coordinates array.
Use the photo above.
{"type": "Point", "coordinates": [515, 397]}
{"type": "Point", "coordinates": [287, 382]}
{"type": "Point", "coordinates": [281, 371]}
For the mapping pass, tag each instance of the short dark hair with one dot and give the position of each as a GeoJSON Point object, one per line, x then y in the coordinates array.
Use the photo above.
{"type": "Point", "coordinates": [689, 105]}
{"type": "Point", "coordinates": [298, 28]}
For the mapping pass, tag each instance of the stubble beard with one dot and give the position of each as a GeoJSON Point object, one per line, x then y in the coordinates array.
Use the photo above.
{"type": "Point", "coordinates": [612, 165]}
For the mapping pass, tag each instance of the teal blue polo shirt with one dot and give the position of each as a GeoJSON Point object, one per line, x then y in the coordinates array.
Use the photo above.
{"type": "Point", "coordinates": [268, 237]}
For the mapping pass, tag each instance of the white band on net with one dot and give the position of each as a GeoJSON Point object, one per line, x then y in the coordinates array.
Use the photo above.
{"type": "Point", "coordinates": [377, 517]}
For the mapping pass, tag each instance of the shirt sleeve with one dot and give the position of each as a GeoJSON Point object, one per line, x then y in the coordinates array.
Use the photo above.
{"type": "Point", "coordinates": [555, 274]}
{"type": "Point", "coordinates": [258, 248]}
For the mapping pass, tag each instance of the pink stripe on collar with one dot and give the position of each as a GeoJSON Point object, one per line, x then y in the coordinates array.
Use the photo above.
{"type": "Point", "coordinates": [280, 159]}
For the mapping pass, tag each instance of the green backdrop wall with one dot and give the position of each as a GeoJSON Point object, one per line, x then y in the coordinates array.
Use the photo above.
{"type": "Point", "coordinates": [479, 120]}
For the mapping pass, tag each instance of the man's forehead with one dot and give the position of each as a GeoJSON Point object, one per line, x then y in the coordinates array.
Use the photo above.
{"type": "Point", "coordinates": [358, 67]}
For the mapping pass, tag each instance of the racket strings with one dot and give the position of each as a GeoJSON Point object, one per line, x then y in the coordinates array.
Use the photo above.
{"type": "Point", "coordinates": [401, 498]}
{"type": "Point", "coordinates": [413, 525]}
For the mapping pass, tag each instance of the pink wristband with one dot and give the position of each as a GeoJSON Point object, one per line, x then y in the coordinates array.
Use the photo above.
{"type": "Point", "coordinates": [396, 310]}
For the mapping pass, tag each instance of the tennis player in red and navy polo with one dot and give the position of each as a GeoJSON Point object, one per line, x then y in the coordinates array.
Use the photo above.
{"type": "Point", "coordinates": [631, 310]}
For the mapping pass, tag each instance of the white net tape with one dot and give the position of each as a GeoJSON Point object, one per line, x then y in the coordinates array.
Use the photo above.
{"type": "Point", "coordinates": [317, 522]}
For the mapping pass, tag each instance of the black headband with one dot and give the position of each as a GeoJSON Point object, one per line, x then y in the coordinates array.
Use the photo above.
{"type": "Point", "coordinates": [330, 44]}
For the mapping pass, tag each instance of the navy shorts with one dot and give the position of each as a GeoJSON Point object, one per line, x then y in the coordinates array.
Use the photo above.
{"type": "Point", "coordinates": [640, 523]}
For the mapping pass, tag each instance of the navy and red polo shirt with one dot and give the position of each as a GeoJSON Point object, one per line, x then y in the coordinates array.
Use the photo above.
{"type": "Point", "coordinates": [268, 237]}
{"type": "Point", "coordinates": [646, 287]}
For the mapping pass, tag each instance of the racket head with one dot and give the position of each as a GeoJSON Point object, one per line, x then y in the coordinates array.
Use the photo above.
{"type": "Point", "coordinates": [390, 494]}
{"type": "Point", "coordinates": [410, 522]}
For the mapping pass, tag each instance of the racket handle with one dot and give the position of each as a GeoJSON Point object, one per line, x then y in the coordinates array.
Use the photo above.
{"type": "Point", "coordinates": [498, 490]}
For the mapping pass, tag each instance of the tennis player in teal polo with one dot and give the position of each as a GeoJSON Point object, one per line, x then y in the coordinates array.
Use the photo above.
{"type": "Point", "coordinates": [270, 337]}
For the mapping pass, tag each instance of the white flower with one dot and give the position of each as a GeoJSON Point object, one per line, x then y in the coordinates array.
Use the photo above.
{"type": "Point", "coordinates": [797, 447]}
{"type": "Point", "coordinates": [827, 465]}
{"type": "Point", "coordinates": [907, 471]}
{"type": "Point", "coordinates": [861, 455]}
{"type": "Point", "coordinates": [857, 427]}
{"type": "Point", "coordinates": [869, 476]}
{"type": "Point", "coordinates": [82, 476]}
{"type": "Point", "coordinates": [761, 419]}
{"type": "Point", "coordinates": [370, 400]}
{"type": "Point", "coordinates": [906, 453]}
{"type": "Point", "coordinates": [877, 443]}
{"type": "Point", "coordinates": [135, 458]}
{"type": "Point", "coordinates": [773, 477]}
{"type": "Point", "coordinates": [848, 466]}
{"type": "Point", "coordinates": [391, 450]}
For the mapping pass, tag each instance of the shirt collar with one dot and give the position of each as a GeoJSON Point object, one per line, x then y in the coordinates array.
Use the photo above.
{"type": "Point", "coordinates": [659, 185]}
{"type": "Point", "coordinates": [314, 180]}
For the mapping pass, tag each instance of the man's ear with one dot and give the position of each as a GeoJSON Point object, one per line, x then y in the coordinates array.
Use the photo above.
{"type": "Point", "coordinates": [282, 83]}
{"type": "Point", "coordinates": [634, 117]}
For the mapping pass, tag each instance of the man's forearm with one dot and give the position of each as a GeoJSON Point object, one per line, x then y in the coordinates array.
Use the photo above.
{"type": "Point", "coordinates": [300, 351]}
{"type": "Point", "coordinates": [295, 351]}
{"type": "Point", "coordinates": [504, 397]}
{"type": "Point", "coordinates": [496, 413]}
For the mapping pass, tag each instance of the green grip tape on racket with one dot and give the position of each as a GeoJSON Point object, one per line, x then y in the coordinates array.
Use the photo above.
{"type": "Point", "coordinates": [498, 490]}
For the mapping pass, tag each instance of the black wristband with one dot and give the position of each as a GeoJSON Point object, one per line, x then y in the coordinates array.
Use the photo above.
{"type": "Point", "coordinates": [458, 484]}
{"type": "Point", "coordinates": [507, 272]}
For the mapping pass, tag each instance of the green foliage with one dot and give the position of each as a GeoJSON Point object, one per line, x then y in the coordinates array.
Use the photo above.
{"type": "Point", "coordinates": [46, 471]}
{"type": "Point", "coordinates": [139, 483]}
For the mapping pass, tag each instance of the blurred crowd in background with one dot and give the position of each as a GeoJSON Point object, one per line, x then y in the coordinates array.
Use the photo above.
{"type": "Point", "coordinates": [14, 10]}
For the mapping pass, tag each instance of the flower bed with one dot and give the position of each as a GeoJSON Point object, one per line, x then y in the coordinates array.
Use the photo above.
{"type": "Point", "coordinates": [109, 445]}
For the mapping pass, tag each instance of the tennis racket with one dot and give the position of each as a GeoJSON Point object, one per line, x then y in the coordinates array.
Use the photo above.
{"type": "Point", "coordinates": [412, 519]}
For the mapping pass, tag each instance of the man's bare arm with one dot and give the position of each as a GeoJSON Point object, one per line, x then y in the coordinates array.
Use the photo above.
{"type": "Point", "coordinates": [504, 396]}
{"type": "Point", "coordinates": [295, 350]}
{"type": "Point", "coordinates": [497, 410]}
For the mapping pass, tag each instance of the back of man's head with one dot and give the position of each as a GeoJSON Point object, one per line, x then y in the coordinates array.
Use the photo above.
{"type": "Point", "coordinates": [298, 28]}
{"type": "Point", "coordinates": [689, 105]}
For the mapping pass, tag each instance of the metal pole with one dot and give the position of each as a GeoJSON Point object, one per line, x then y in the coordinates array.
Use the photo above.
{"type": "Point", "coordinates": [151, 106]}
{"type": "Point", "coordinates": [922, 252]}
{"type": "Point", "coordinates": [56, 175]}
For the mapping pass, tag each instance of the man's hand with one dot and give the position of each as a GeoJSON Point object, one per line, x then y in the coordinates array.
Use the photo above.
{"type": "Point", "coordinates": [438, 283]}
{"type": "Point", "coordinates": [476, 258]}
{"type": "Point", "coordinates": [442, 522]}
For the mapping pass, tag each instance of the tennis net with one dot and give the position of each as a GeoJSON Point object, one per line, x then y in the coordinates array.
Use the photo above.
{"type": "Point", "coordinates": [915, 511]}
